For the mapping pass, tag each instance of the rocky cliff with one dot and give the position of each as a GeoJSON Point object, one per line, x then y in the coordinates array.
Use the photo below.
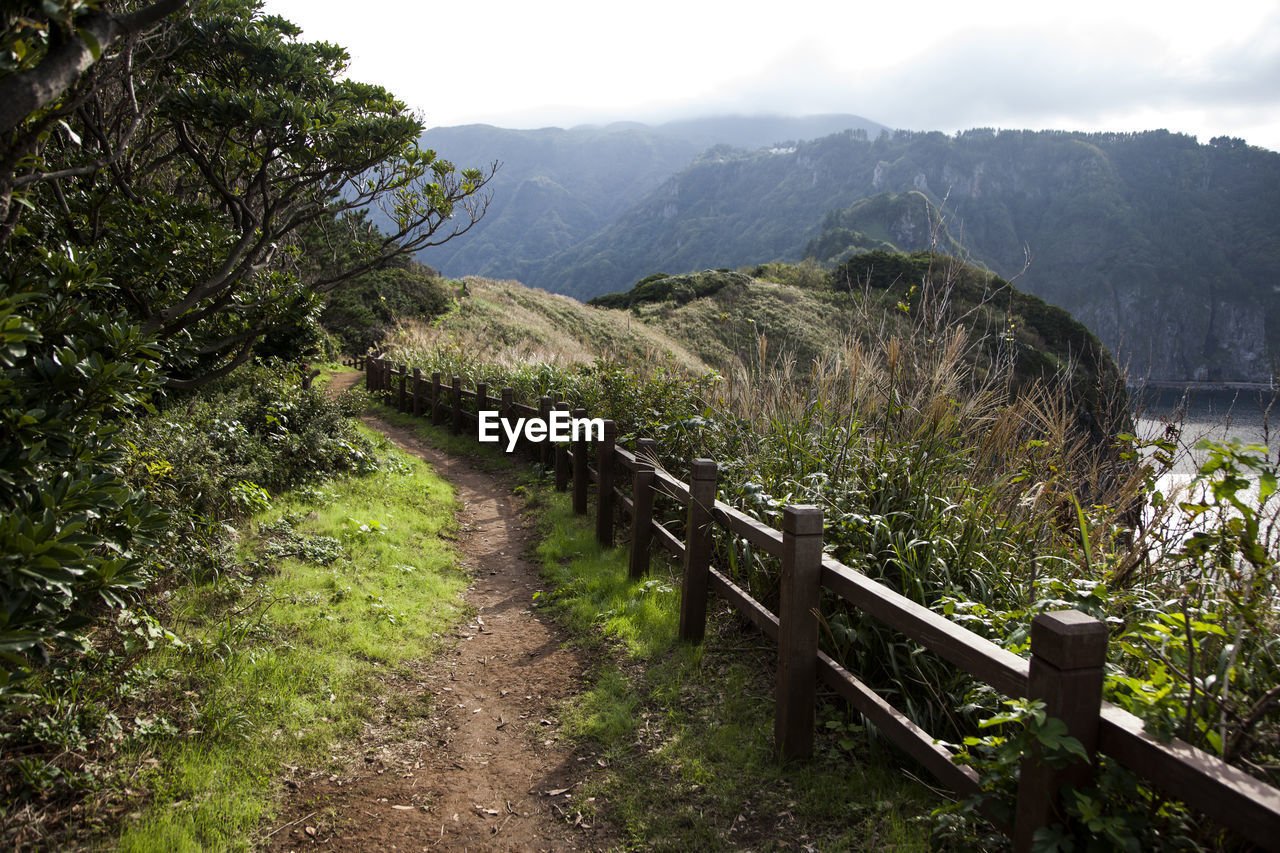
{"type": "Point", "coordinates": [1168, 248]}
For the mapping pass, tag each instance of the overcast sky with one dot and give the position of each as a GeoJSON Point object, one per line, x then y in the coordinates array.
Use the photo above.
{"type": "Point", "coordinates": [1206, 69]}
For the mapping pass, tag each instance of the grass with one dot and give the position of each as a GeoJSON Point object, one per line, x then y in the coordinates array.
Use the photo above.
{"type": "Point", "coordinates": [686, 731]}
{"type": "Point", "coordinates": [352, 582]}
{"type": "Point", "coordinates": [510, 324]}
{"type": "Point", "coordinates": [724, 329]}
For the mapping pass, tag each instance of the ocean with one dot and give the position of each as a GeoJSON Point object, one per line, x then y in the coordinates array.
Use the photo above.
{"type": "Point", "coordinates": [1251, 415]}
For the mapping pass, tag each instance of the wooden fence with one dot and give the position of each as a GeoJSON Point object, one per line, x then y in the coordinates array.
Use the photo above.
{"type": "Point", "coordinates": [1068, 648]}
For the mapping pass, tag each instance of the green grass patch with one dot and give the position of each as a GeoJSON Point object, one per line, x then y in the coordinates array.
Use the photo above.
{"type": "Point", "coordinates": [686, 731]}
{"type": "Point", "coordinates": [348, 584]}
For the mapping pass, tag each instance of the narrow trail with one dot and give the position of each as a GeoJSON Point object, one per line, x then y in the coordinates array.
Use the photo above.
{"type": "Point", "coordinates": [466, 756]}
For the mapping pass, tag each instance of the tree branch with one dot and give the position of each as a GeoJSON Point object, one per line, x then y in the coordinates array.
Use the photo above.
{"type": "Point", "coordinates": [24, 93]}
{"type": "Point", "coordinates": [246, 352]}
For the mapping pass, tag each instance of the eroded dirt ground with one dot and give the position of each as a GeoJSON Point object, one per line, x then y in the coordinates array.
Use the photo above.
{"type": "Point", "coordinates": [465, 754]}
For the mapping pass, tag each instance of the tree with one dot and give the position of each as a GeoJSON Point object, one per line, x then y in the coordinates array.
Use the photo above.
{"type": "Point", "coordinates": [159, 165]}
{"type": "Point", "coordinates": [228, 124]}
{"type": "Point", "coordinates": [46, 48]}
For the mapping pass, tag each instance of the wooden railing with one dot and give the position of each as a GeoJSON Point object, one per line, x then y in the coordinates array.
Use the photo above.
{"type": "Point", "coordinates": [1068, 648]}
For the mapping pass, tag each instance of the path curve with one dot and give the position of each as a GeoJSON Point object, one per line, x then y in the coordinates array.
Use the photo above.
{"type": "Point", "coordinates": [484, 769]}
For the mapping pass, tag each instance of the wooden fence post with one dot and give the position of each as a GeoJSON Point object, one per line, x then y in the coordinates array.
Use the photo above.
{"type": "Point", "coordinates": [403, 399]}
{"type": "Point", "coordinates": [551, 448]}
{"type": "Point", "coordinates": [796, 689]}
{"type": "Point", "coordinates": [648, 448]}
{"type": "Point", "coordinates": [435, 397]}
{"type": "Point", "coordinates": [456, 428]}
{"type": "Point", "coordinates": [604, 487]}
{"type": "Point", "coordinates": [562, 458]}
{"type": "Point", "coordinates": [368, 375]}
{"type": "Point", "coordinates": [697, 551]}
{"type": "Point", "coordinates": [508, 400]}
{"type": "Point", "coordinates": [641, 518]}
{"type": "Point", "coordinates": [544, 449]}
{"type": "Point", "coordinates": [581, 476]}
{"type": "Point", "coordinates": [482, 396]}
{"type": "Point", "coordinates": [417, 392]}
{"type": "Point", "coordinates": [1068, 653]}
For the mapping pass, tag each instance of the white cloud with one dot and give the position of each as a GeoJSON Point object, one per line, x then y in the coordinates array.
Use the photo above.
{"type": "Point", "coordinates": [947, 66]}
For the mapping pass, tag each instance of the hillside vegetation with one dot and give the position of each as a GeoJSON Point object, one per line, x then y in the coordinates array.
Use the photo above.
{"type": "Point", "coordinates": [796, 318]}
{"type": "Point", "coordinates": [727, 321]}
{"type": "Point", "coordinates": [508, 323]}
{"type": "Point", "coordinates": [1164, 246]}
{"type": "Point", "coordinates": [723, 320]}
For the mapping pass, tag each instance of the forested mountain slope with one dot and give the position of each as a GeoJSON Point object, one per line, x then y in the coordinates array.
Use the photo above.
{"type": "Point", "coordinates": [1167, 248]}
{"type": "Point", "coordinates": [556, 187]}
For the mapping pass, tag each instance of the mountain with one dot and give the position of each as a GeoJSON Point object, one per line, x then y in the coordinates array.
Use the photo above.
{"type": "Point", "coordinates": [1166, 248]}
{"type": "Point", "coordinates": [556, 187]}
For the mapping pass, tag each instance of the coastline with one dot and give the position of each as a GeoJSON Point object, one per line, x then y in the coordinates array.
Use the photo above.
{"type": "Point", "coordinates": [1193, 385]}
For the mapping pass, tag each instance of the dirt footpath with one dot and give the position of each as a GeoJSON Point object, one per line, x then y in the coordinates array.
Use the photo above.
{"type": "Point", "coordinates": [466, 755]}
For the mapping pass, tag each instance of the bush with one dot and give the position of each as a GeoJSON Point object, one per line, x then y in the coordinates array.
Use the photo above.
{"type": "Point", "coordinates": [72, 531]}
{"type": "Point", "coordinates": [359, 313]}
{"type": "Point", "coordinates": [680, 288]}
{"type": "Point", "coordinates": [259, 427]}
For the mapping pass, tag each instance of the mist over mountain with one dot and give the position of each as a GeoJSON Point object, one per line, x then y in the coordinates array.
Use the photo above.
{"type": "Point", "coordinates": [556, 187]}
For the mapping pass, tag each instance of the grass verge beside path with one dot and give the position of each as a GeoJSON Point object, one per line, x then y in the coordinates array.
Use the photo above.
{"type": "Point", "coordinates": [347, 584]}
{"type": "Point", "coordinates": [686, 732]}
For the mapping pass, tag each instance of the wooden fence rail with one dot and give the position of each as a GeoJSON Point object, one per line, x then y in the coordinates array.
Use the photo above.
{"type": "Point", "coordinates": [1068, 648]}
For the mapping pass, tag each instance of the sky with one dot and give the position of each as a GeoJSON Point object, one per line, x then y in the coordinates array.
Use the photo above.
{"type": "Point", "coordinates": [1206, 69]}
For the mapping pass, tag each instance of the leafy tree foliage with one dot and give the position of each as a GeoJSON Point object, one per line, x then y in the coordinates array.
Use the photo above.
{"type": "Point", "coordinates": [70, 528]}
{"type": "Point", "coordinates": [200, 156]}
{"type": "Point", "coordinates": [160, 166]}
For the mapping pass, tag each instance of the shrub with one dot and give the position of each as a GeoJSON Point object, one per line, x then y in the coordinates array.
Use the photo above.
{"type": "Point", "coordinates": [359, 313]}
{"type": "Point", "coordinates": [259, 428]}
{"type": "Point", "coordinates": [680, 288]}
{"type": "Point", "coordinates": [72, 531]}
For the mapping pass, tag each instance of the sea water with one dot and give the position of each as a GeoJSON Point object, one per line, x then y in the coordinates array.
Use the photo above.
{"type": "Point", "coordinates": [1216, 414]}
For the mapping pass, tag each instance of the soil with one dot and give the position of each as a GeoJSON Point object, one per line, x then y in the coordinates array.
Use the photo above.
{"type": "Point", "coordinates": [465, 754]}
